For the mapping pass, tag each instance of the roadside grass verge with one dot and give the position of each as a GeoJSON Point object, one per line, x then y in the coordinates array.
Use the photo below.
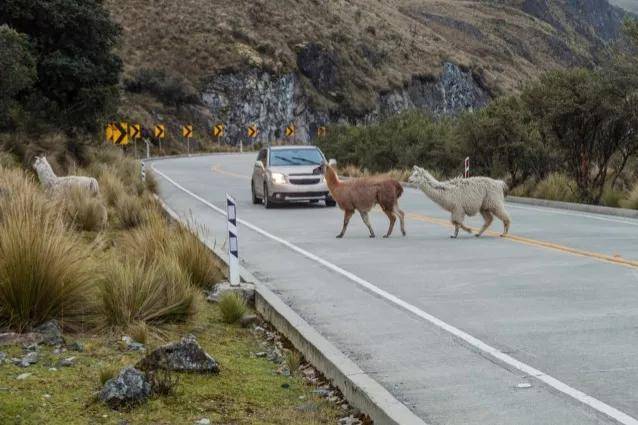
{"type": "Point", "coordinates": [247, 391]}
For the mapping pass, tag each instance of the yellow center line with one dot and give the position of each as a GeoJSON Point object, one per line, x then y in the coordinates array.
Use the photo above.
{"type": "Point", "coordinates": [610, 259]}
{"type": "Point", "coordinates": [218, 169]}
{"type": "Point", "coordinates": [617, 260]}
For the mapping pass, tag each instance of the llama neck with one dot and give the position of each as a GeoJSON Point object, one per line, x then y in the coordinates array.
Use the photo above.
{"type": "Point", "coordinates": [435, 190]}
{"type": "Point", "coordinates": [46, 174]}
{"type": "Point", "coordinates": [332, 180]}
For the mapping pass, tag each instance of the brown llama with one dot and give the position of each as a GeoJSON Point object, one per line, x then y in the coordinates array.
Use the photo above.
{"type": "Point", "coordinates": [362, 194]}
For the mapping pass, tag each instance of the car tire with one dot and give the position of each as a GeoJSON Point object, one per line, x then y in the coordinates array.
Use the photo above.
{"type": "Point", "coordinates": [266, 200]}
{"type": "Point", "coordinates": [256, 200]}
{"type": "Point", "coordinates": [331, 203]}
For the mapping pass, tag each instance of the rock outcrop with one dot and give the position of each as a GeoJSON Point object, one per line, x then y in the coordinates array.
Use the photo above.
{"type": "Point", "coordinates": [128, 389]}
{"type": "Point", "coordinates": [183, 356]}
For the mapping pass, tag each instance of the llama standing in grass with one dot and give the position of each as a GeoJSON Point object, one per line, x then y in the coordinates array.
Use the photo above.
{"type": "Point", "coordinates": [464, 197]}
{"type": "Point", "coordinates": [54, 183]}
{"type": "Point", "coordinates": [362, 194]}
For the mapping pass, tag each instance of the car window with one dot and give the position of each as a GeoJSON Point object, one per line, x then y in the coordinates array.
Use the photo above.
{"type": "Point", "coordinates": [296, 157]}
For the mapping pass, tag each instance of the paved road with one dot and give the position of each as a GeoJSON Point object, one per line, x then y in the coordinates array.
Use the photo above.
{"type": "Point", "coordinates": [452, 328]}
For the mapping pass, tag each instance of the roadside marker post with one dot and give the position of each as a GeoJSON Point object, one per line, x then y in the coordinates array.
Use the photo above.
{"type": "Point", "coordinates": [466, 173]}
{"type": "Point", "coordinates": [252, 133]}
{"type": "Point", "coordinates": [233, 247]}
{"type": "Point", "coordinates": [187, 133]}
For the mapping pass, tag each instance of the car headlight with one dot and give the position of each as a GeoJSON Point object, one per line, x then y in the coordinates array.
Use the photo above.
{"type": "Point", "coordinates": [278, 178]}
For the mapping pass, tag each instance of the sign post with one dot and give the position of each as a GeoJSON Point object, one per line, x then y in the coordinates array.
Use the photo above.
{"type": "Point", "coordinates": [187, 132]}
{"type": "Point", "coordinates": [233, 247]}
{"type": "Point", "coordinates": [466, 173]}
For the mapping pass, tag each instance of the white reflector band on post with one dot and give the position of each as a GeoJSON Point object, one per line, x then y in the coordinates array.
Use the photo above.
{"type": "Point", "coordinates": [466, 174]}
{"type": "Point", "coordinates": [233, 244]}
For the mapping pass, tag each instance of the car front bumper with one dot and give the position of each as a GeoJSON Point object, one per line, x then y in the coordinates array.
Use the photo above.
{"type": "Point", "coordinates": [289, 192]}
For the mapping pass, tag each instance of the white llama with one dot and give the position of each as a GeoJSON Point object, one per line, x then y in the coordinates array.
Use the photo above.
{"type": "Point", "coordinates": [463, 197]}
{"type": "Point", "coordinates": [52, 182]}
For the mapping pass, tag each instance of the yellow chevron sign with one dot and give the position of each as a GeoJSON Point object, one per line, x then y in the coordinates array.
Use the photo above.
{"type": "Point", "coordinates": [218, 130]}
{"type": "Point", "coordinates": [159, 131]}
{"type": "Point", "coordinates": [321, 131]}
{"type": "Point", "coordinates": [135, 131]}
{"type": "Point", "coordinates": [109, 132]}
{"type": "Point", "coordinates": [117, 133]}
{"type": "Point", "coordinates": [187, 131]}
{"type": "Point", "coordinates": [252, 131]}
{"type": "Point", "coordinates": [290, 130]}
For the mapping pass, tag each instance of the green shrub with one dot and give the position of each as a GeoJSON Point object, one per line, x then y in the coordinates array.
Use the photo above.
{"type": "Point", "coordinates": [45, 271]}
{"type": "Point", "coordinates": [156, 293]}
{"type": "Point", "coordinates": [171, 89]}
{"type": "Point", "coordinates": [232, 307]}
{"type": "Point", "coordinates": [556, 187]}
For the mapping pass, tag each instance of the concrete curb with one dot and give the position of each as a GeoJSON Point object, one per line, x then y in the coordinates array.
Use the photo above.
{"type": "Point", "coordinates": [593, 209]}
{"type": "Point", "coordinates": [358, 388]}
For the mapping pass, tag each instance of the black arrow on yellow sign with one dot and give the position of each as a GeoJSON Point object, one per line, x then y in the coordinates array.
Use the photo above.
{"type": "Point", "coordinates": [218, 130]}
{"type": "Point", "coordinates": [187, 131]}
{"type": "Point", "coordinates": [134, 131]}
{"type": "Point", "coordinates": [252, 131]}
{"type": "Point", "coordinates": [118, 133]}
{"type": "Point", "coordinates": [159, 131]}
{"type": "Point", "coordinates": [290, 130]}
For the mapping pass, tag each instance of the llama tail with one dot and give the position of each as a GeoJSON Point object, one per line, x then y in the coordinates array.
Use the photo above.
{"type": "Point", "coordinates": [504, 187]}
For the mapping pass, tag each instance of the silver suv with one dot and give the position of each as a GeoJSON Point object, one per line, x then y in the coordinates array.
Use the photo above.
{"type": "Point", "coordinates": [290, 174]}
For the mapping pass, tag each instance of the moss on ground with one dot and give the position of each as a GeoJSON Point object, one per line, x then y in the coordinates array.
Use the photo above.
{"type": "Point", "coordinates": [247, 390]}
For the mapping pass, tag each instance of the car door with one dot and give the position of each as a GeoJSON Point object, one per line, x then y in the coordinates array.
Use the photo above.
{"type": "Point", "coordinates": [259, 172]}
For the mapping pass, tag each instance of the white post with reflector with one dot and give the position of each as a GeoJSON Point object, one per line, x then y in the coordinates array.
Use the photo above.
{"type": "Point", "coordinates": [466, 173]}
{"type": "Point", "coordinates": [233, 247]}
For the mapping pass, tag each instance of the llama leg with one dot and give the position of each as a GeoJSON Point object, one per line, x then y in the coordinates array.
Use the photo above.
{"type": "Point", "coordinates": [456, 231]}
{"type": "Point", "coordinates": [504, 217]}
{"type": "Point", "coordinates": [399, 212]}
{"type": "Point", "coordinates": [457, 220]}
{"type": "Point", "coordinates": [392, 219]}
{"type": "Point", "coordinates": [347, 214]}
{"type": "Point", "coordinates": [488, 217]}
{"type": "Point", "coordinates": [366, 220]}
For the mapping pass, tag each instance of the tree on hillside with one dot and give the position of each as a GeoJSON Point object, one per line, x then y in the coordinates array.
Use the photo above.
{"type": "Point", "coordinates": [77, 70]}
{"type": "Point", "coordinates": [17, 70]}
{"type": "Point", "coordinates": [502, 138]}
{"type": "Point", "coordinates": [585, 114]}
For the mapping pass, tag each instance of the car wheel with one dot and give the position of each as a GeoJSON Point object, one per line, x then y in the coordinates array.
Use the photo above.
{"type": "Point", "coordinates": [331, 203]}
{"type": "Point", "coordinates": [256, 200]}
{"type": "Point", "coordinates": [266, 200]}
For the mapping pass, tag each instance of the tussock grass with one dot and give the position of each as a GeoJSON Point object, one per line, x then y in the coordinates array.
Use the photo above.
{"type": "Point", "coordinates": [232, 307]}
{"type": "Point", "coordinates": [293, 360]}
{"type": "Point", "coordinates": [45, 271]}
{"type": "Point", "coordinates": [157, 293]}
{"type": "Point", "coordinates": [632, 199]}
{"type": "Point", "coordinates": [181, 242]}
{"type": "Point", "coordinates": [151, 182]}
{"type": "Point", "coordinates": [130, 211]}
{"type": "Point", "coordinates": [106, 373]}
{"type": "Point", "coordinates": [111, 186]}
{"type": "Point", "coordinates": [556, 187]}
{"type": "Point", "coordinates": [82, 210]}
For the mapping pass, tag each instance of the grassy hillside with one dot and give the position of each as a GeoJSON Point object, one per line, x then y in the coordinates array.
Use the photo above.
{"type": "Point", "coordinates": [378, 45]}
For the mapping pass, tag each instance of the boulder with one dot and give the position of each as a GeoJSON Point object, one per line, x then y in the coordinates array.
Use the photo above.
{"type": "Point", "coordinates": [51, 333]}
{"type": "Point", "coordinates": [129, 388]}
{"type": "Point", "coordinates": [13, 338]}
{"type": "Point", "coordinates": [29, 359]}
{"type": "Point", "coordinates": [183, 356]}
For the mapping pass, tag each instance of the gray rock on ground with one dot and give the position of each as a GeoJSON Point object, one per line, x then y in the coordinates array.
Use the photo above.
{"type": "Point", "coordinates": [51, 332]}
{"type": "Point", "coordinates": [68, 362]}
{"type": "Point", "coordinates": [183, 356]}
{"type": "Point", "coordinates": [30, 358]}
{"type": "Point", "coordinates": [246, 290]}
{"type": "Point", "coordinates": [129, 388]}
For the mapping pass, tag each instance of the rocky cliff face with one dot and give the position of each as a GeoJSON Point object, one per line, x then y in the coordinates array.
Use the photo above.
{"type": "Point", "coordinates": [273, 102]}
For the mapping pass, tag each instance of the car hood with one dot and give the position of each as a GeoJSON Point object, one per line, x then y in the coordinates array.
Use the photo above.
{"type": "Point", "coordinates": [300, 170]}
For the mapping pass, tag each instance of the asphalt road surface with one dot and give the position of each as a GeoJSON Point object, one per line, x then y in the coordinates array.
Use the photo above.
{"type": "Point", "coordinates": [539, 328]}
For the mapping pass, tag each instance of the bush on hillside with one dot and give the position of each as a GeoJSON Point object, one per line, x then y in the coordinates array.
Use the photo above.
{"type": "Point", "coordinates": [172, 90]}
{"type": "Point", "coordinates": [557, 187]}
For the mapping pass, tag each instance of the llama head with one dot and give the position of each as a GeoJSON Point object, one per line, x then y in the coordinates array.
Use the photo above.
{"type": "Point", "coordinates": [417, 175]}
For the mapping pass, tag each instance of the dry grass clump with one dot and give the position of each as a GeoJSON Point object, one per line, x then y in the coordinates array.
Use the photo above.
{"type": "Point", "coordinates": [131, 292]}
{"type": "Point", "coordinates": [151, 182]}
{"type": "Point", "coordinates": [232, 307]}
{"type": "Point", "coordinates": [130, 211]}
{"type": "Point", "coordinates": [45, 270]}
{"type": "Point", "coordinates": [181, 242]}
{"type": "Point", "coordinates": [82, 210]}
{"type": "Point", "coordinates": [632, 199]}
{"type": "Point", "coordinates": [111, 186]}
{"type": "Point", "coordinates": [556, 187]}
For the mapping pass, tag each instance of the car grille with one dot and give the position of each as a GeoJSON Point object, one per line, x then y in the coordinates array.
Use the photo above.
{"type": "Point", "coordinates": [304, 181]}
{"type": "Point", "coordinates": [304, 194]}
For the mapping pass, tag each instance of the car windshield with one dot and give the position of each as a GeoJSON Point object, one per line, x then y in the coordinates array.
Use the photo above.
{"type": "Point", "coordinates": [296, 157]}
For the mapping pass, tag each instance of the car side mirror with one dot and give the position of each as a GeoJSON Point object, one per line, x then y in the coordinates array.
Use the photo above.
{"type": "Point", "coordinates": [332, 162]}
{"type": "Point", "coordinates": [259, 164]}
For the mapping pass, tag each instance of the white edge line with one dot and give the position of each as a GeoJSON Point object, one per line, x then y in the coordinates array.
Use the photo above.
{"type": "Point", "coordinates": [551, 210]}
{"type": "Point", "coordinates": [528, 370]}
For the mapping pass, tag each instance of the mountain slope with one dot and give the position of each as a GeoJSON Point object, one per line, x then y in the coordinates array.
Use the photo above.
{"type": "Point", "coordinates": [346, 55]}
